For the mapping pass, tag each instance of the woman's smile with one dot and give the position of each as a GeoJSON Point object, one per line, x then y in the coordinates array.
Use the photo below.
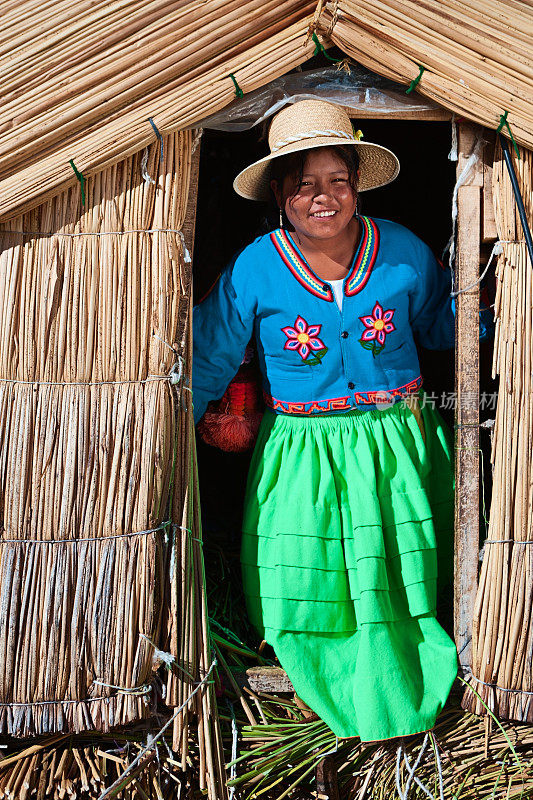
{"type": "Point", "coordinates": [322, 214]}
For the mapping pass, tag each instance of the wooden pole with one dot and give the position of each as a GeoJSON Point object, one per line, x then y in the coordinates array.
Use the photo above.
{"type": "Point", "coordinates": [467, 389]}
{"type": "Point", "coordinates": [189, 223]}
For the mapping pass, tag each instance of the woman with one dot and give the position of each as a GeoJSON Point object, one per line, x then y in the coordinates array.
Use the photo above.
{"type": "Point", "coordinates": [350, 490]}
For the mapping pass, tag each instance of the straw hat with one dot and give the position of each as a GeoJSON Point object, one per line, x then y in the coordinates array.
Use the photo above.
{"type": "Point", "coordinates": [315, 123]}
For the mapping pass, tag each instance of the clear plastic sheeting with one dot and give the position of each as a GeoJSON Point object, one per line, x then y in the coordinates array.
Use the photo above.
{"type": "Point", "coordinates": [350, 85]}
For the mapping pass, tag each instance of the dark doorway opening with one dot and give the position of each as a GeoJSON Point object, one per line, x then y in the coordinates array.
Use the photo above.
{"type": "Point", "coordinates": [420, 199]}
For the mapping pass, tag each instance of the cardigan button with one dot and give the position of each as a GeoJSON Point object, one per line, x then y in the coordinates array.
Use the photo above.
{"type": "Point", "coordinates": [325, 288]}
{"type": "Point", "coordinates": [345, 334]}
{"type": "Point", "coordinates": [351, 385]}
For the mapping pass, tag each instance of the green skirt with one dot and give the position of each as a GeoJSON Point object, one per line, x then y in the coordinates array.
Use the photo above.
{"type": "Point", "coordinates": [348, 525]}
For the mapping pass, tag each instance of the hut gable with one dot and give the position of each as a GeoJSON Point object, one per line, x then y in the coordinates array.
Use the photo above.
{"type": "Point", "coordinates": [83, 88]}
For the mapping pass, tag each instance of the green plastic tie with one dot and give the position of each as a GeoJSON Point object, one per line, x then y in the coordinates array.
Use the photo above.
{"type": "Point", "coordinates": [159, 136]}
{"type": "Point", "coordinates": [505, 124]}
{"type": "Point", "coordinates": [238, 91]}
{"type": "Point", "coordinates": [319, 48]}
{"type": "Point", "coordinates": [81, 179]}
{"type": "Point", "coordinates": [414, 83]}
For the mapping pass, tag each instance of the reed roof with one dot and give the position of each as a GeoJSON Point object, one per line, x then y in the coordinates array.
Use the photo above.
{"type": "Point", "coordinates": [470, 56]}
{"type": "Point", "coordinates": [83, 86]}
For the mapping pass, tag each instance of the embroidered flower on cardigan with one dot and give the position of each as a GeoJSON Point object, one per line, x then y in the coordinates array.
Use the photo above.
{"type": "Point", "coordinates": [377, 326]}
{"type": "Point", "coordinates": [303, 337]}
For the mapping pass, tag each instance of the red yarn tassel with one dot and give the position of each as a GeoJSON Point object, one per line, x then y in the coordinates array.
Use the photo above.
{"type": "Point", "coordinates": [234, 424]}
{"type": "Point", "coordinates": [229, 432]}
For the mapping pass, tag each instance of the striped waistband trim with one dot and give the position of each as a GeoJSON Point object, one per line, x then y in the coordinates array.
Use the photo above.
{"type": "Point", "coordinates": [382, 398]}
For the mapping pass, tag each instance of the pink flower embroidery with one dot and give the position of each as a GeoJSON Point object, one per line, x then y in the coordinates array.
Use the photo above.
{"type": "Point", "coordinates": [303, 337]}
{"type": "Point", "coordinates": [378, 324]}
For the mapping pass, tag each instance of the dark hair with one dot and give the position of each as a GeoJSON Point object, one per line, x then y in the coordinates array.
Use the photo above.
{"type": "Point", "coordinates": [293, 164]}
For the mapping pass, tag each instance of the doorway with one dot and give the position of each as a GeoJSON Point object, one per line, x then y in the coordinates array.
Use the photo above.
{"type": "Point", "coordinates": [420, 199]}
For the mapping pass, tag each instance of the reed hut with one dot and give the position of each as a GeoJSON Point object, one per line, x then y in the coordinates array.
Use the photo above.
{"type": "Point", "coordinates": [101, 564]}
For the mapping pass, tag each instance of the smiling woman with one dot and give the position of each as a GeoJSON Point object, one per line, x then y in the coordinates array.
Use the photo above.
{"type": "Point", "coordinates": [348, 516]}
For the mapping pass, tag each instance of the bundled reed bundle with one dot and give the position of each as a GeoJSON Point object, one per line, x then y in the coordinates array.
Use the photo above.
{"type": "Point", "coordinates": [83, 87]}
{"type": "Point", "coordinates": [88, 443]}
{"type": "Point", "coordinates": [503, 632]}
{"type": "Point", "coordinates": [475, 54]}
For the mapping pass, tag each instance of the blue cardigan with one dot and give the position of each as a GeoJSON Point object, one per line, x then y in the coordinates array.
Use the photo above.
{"type": "Point", "coordinates": [315, 358]}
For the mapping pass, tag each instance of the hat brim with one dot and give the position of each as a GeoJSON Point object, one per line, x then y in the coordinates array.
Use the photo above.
{"type": "Point", "coordinates": [378, 166]}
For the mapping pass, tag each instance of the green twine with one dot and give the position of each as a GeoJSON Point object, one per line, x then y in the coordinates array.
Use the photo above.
{"type": "Point", "coordinates": [159, 136]}
{"type": "Point", "coordinates": [414, 83]}
{"type": "Point", "coordinates": [81, 179]}
{"type": "Point", "coordinates": [319, 48]}
{"type": "Point", "coordinates": [505, 124]}
{"type": "Point", "coordinates": [238, 91]}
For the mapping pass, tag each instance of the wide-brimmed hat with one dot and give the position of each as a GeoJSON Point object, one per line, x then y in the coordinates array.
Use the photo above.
{"type": "Point", "coordinates": [315, 123]}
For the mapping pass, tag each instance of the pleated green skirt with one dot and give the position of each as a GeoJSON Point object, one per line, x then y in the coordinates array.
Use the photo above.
{"type": "Point", "coordinates": [348, 525]}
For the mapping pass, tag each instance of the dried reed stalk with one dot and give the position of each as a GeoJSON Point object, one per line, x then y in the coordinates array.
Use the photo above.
{"type": "Point", "coordinates": [84, 88]}
{"type": "Point", "coordinates": [475, 54]}
{"type": "Point", "coordinates": [87, 436]}
{"type": "Point", "coordinates": [189, 635]}
{"type": "Point", "coordinates": [503, 633]}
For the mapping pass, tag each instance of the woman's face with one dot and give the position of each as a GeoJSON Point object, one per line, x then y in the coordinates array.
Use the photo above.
{"type": "Point", "coordinates": [324, 204]}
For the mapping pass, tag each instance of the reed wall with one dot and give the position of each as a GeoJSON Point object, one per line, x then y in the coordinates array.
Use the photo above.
{"type": "Point", "coordinates": [95, 304]}
{"type": "Point", "coordinates": [502, 667]}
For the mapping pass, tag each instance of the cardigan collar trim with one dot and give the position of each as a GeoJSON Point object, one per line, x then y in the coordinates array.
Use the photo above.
{"type": "Point", "coordinates": [365, 257]}
{"type": "Point", "coordinates": [363, 262]}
